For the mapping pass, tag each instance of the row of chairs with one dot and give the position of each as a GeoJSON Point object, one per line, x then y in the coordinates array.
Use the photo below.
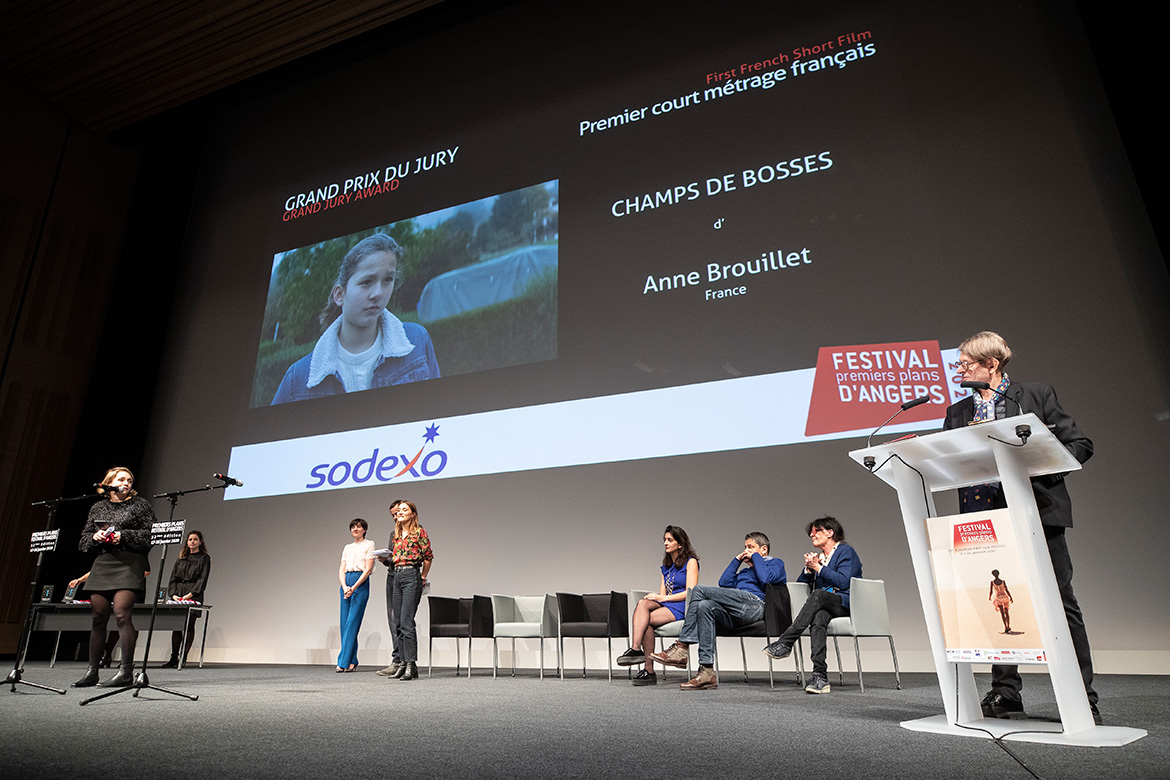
{"type": "Point", "coordinates": [606, 616]}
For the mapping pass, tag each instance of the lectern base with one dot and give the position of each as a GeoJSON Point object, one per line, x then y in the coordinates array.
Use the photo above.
{"type": "Point", "coordinates": [1043, 731]}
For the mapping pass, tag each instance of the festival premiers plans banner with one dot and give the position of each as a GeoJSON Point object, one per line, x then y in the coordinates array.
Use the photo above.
{"type": "Point", "coordinates": [846, 395]}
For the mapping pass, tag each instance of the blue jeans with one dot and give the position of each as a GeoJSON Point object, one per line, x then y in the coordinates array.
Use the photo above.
{"type": "Point", "coordinates": [405, 595]}
{"type": "Point", "coordinates": [353, 609]}
{"type": "Point", "coordinates": [711, 607]}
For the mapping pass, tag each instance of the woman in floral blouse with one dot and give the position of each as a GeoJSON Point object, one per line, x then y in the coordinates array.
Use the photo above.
{"type": "Point", "coordinates": [410, 560]}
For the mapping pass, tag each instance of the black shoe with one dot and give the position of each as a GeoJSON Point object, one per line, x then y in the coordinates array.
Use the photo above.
{"type": "Point", "coordinates": [106, 661]}
{"type": "Point", "coordinates": [631, 657]}
{"type": "Point", "coordinates": [645, 678]}
{"type": "Point", "coordinates": [124, 677]}
{"type": "Point", "coordinates": [393, 670]}
{"type": "Point", "coordinates": [90, 678]}
{"type": "Point", "coordinates": [1096, 714]}
{"type": "Point", "coordinates": [171, 664]}
{"type": "Point", "coordinates": [409, 671]}
{"type": "Point", "coordinates": [778, 649]}
{"type": "Point", "coordinates": [398, 675]}
{"type": "Point", "coordinates": [996, 705]}
{"type": "Point", "coordinates": [818, 684]}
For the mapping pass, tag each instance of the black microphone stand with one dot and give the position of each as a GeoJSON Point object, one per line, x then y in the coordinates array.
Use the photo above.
{"type": "Point", "coordinates": [15, 676]}
{"type": "Point", "coordinates": [141, 680]}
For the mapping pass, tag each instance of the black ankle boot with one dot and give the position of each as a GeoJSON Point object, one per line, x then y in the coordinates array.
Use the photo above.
{"type": "Point", "coordinates": [398, 675]}
{"type": "Point", "coordinates": [124, 677]}
{"type": "Point", "coordinates": [90, 678]}
{"type": "Point", "coordinates": [410, 671]}
{"type": "Point", "coordinates": [171, 664]}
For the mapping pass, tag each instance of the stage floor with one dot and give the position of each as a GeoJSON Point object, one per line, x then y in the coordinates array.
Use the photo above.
{"type": "Point", "coordinates": [299, 721]}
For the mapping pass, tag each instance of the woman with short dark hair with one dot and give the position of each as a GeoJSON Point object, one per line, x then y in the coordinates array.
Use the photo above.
{"type": "Point", "coordinates": [357, 561]}
{"type": "Point", "coordinates": [828, 571]}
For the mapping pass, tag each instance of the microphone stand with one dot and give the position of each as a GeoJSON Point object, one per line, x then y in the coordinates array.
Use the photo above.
{"type": "Point", "coordinates": [15, 677]}
{"type": "Point", "coordinates": [141, 680]}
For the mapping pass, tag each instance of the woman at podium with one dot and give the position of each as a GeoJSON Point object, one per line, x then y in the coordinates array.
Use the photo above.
{"type": "Point", "coordinates": [118, 528]}
{"type": "Point", "coordinates": [983, 359]}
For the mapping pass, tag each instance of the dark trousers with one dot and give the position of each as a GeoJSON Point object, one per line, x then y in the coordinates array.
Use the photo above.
{"type": "Point", "coordinates": [821, 607]}
{"type": "Point", "coordinates": [1005, 680]}
{"type": "Point", "coordinates": [405, 595]}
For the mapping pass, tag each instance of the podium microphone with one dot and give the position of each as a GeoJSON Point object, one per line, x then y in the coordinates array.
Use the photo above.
{"type": "Point", "coordinates": [869, 459]}
{"type": "Point", "coordinates": [1023, 431]}
{"type": "Point", "coordinates": [229, 480]}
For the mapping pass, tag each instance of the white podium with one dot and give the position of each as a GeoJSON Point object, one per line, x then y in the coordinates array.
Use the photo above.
{"type": "Point", "coordinates": [970, 456]}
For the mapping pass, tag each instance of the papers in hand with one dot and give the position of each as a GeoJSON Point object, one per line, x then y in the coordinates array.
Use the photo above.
{"type": "Point", "coordinates": [385, 552]}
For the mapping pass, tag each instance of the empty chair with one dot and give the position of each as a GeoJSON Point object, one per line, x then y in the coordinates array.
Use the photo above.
{"type": "Point", "coordinates": [523, 617]}
{"type": "Point", "coordinates": [458, 618]}
{"type": "Point", "coordinates": [600, 615]}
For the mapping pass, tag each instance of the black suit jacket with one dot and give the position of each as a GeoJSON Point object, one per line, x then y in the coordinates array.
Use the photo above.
{"type": "Point", "coordinates": [1052, 497]}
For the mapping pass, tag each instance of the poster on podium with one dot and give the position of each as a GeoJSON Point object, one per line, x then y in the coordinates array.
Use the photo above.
{"type": "Point", "coordinates": [983, 591]}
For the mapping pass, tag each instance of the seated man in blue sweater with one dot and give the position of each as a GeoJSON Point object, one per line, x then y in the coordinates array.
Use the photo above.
{"type": "Point", "coordinates": [738, 601]}
{"type": "Point", "coordinates": [829, 570]}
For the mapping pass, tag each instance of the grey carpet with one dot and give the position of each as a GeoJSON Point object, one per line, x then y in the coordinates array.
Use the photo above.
{"type": "Point", "coordinates": [298, 721]}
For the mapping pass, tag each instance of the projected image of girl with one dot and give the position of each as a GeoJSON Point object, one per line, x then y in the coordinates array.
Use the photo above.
{"type": "Point", "coordinates": [364, 345]}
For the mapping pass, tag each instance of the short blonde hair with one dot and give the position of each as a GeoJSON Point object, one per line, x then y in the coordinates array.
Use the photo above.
{"type": "Point", "coordinates": [985, 345]}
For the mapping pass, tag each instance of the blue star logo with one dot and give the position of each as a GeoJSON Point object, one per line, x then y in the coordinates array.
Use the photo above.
{"type": "Point", "coordinates": [432, 433]}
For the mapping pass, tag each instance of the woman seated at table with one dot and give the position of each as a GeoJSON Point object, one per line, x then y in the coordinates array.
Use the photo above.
{"type": "Point", "coordinates": [188, 581]}
{"type": "Point", "coordinates": [680, 572]}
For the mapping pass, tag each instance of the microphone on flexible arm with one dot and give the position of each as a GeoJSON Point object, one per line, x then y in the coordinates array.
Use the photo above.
{"type": "Point", "coordinates": [228, 480]}
{"type": "Point", "coordinates": [107, 488]}
{"type": "Point", "coordinates": [1023, 431]}
{"type": "Point", "coordinates": [869, 460]}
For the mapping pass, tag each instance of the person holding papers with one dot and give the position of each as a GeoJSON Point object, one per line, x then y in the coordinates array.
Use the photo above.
{"type": "Point", "coordinates": [118, 528]}
{"type": "Point", "coordinates": [410, 561]}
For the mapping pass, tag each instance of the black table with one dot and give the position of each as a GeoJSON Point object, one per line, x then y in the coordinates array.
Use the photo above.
{"type": "Point", "coordinates": [77, 617]}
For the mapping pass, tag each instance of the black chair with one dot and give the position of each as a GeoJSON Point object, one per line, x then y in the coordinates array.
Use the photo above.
{"type": "Point", "coordinates": [469, 618]}
{"type": "Point", "coordinates": [598, 615]}
{"type": "Point", "coordinates": [777, 618]}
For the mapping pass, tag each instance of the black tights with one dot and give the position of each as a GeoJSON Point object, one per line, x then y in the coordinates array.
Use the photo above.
{"type": "Point", "coordinates": [122, 606]}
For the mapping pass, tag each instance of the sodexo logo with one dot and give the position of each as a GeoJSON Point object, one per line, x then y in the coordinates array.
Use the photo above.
{"type": "Point", "coordinates": [381, 467]}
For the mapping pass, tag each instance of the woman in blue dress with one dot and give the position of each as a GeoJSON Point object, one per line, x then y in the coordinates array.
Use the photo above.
{"type": "Point", "coordinates": [680, 573]}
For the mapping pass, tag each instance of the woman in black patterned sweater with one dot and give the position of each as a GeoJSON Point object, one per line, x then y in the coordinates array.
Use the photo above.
{"type": "Point", "coordinates": [118, 528]}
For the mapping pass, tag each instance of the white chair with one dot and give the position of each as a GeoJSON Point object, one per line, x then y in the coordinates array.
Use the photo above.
{"type": "Point", "coordinates": [523, 617]}
{"type": "Point", "coordinates": [667, 631]}
{"type": "Point", "coordinates": [869, 616]}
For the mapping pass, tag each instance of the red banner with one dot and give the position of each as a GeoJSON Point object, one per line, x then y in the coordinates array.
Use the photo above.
{"type": "Point", "coordinates": [858, 387]}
